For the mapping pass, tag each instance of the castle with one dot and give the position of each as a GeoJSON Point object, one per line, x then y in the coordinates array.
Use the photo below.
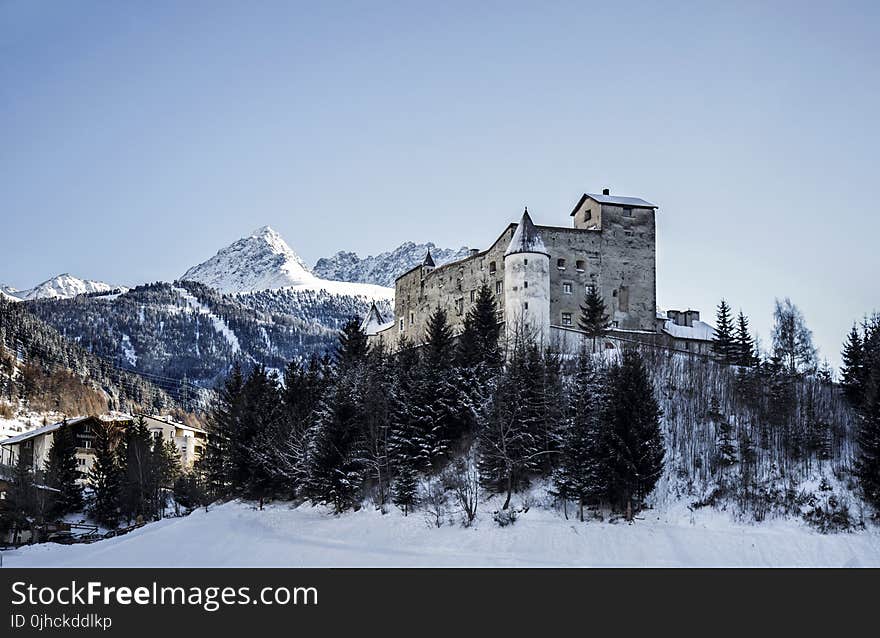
{"type": "Point", "coordinates": [539, 275]}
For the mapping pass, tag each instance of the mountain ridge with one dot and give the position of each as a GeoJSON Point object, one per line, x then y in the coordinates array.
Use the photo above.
{"type": "Point", "coordinates": [382, 269]}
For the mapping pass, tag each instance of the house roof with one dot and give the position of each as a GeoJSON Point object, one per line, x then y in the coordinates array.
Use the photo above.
{"type": "Point", "coordinates": [614, 200]}
{"type": "Point", "coordinates": [46, 429]}
{"type": "Point", "coordinates": [699, 331]}
{"type": "Point", "coordinates": [374, 321]}
{"type": "Point", "coordinates": [526, 238]}
{"type": "Point", "coordinates": [167, 421]}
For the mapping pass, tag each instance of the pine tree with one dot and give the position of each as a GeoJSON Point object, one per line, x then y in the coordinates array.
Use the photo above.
{"type": "Point", "coordinates": [105, 476]}
{"type": "Point", "coordinates": [868, 436]}
{"type": "Point", "coordinates": [507, 445]}
{"type": "Point", "coordinates": [352, 347]}
{"type": "Point", "coordinates": [259, 415]}
{"type": "Point", "coordinates": [63, 474]}
{"type": "Point", "coordinates": [438, 340]}
{"type": "Point", "coordinates": [439, 409]}
{"type": "Point", "coordinates": [582, 474]}
{"type": "Point", "coordinates": [334, 462]}
{"type": "Point", "coordinates": [222, 423]}
{"type": "Point", "coordinates": [165, 464]}
{"type": "Point", "coordinates": [852, 371]}
{"type": "Point", "coordinates": [376, 407]}
{"type": "Point", "coordinates": [135, 454]}
{"type": "Point", "coordinates": [21, 504]}
{"type": "Point", "coordinates": [825, 373]}
{"type": "Point", "coordinates": [405, 494]}
{"type": "Point", "coordinates": [634, 439]}
{"type": "Point", "coordinates": [478, 342]}
{"type": "Point", "coordinates": [744, 345]}
{"type": "Point", "coordinates": [723, 344]}
{"type": "Point", "coordinates": [725, 439]}
{"type": "Point", "coordinates": [593, 319]}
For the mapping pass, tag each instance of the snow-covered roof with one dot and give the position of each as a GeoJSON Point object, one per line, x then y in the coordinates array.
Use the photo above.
{"type": "Point", "coordinates": [614, 200]}
{"type": "Point", "coordinates": [374, 321]}
{"type": "Point", "coordinates": [46, 429]}
{"type": "Point", "coordinates": [169, 421]}
{"type": "Point", "coordinates": [700, 330]}
{"type": "Point", "coordinates": [526, 238]}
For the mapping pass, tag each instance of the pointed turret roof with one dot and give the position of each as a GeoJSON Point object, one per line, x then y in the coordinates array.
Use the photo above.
{"type": "Point", "coordinates": [526, 238]}
{"type": "Point", "coordinates": [374, 321]}
{"type": "Point", "coordinates": [429, 261]}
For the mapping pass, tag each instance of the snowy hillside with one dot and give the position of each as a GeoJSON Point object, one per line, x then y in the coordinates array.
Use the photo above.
{"type": "Point", "coordinates": [384, 268]}
{"type": "Point", "coordinates": [8, 294]}
{"type": "Point", "coordinates": [264, 261]}
{"type": "Point", "coordinates": [62, 286]}
{"type": "Point", "coordinates": [238, 535]}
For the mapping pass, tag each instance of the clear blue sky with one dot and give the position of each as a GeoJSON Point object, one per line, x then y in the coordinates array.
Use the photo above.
{"type": "Point", "coordinates": [138, 138]}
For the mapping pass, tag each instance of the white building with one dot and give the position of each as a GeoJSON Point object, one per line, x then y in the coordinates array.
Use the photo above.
{"type": "Point", "coordinates": [35, 444]}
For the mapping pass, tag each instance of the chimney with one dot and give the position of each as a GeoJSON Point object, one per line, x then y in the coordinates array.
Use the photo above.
{"type": "Point", "coordinates": [606, 191]}
{"type": "Point", "coordinates": [474, 251]}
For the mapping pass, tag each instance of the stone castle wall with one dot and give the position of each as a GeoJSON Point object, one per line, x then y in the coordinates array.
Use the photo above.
{"type": "Point", "coordinates": [619, 258]}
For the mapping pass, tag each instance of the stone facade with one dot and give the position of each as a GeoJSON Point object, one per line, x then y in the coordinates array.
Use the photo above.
{"type": "Point", "coordinates": [611, 245]}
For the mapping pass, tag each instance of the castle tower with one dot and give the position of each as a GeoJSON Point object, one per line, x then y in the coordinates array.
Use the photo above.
{"type": "Point", "coordinates": [428, 264]}
{"type": "Point", "coordinates": [527, 282]}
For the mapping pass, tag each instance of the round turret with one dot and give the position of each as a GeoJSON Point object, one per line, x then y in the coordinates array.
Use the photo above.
{"type": "Point", "coordinates": [527, 283]}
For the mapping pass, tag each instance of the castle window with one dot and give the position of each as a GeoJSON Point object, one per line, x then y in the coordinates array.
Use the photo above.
{"type": "Point", "coordinates": [580, 265]}
{"type": "Point", "coordinates": [525, 262]}
{"type": "Point", "coordinates": [499, 287]}
{"type": "Point", "coordinates": [459, 305]}
{"type": "Point", "coordinates": [566, 288]}
{"type": "Point", "coordinates": [526, 305]}
{"type": "Point", "coordinates": [560, 263]}
{"type": "Point", "coordinates": [588, 215]}
{"type": "Point", "coordinates": [473, 295]}
{"type": "Point", "coordinates": [412, 318]}
{"type": "Point", "coordinates": [401, 325]}
{"type": "Point", "coordinates": [491, 267]}
{"type": "Point", "coordinates": [566, 318]}
{"type": "Point", "coordinates": [627, 212]}
{"type": "Point", "coordinates": [525, 284]}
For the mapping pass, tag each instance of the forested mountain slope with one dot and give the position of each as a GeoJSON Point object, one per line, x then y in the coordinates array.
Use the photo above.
{"type": "Point", "coordinates": [47, 372]}
{"type": "Point", "coordinates": [188, 330]}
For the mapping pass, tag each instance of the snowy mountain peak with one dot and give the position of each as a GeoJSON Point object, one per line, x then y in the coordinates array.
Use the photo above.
{"type": "Point", "coordinates": [63, 286]}
{"type": "Point", "coordinates": [264, 261]}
